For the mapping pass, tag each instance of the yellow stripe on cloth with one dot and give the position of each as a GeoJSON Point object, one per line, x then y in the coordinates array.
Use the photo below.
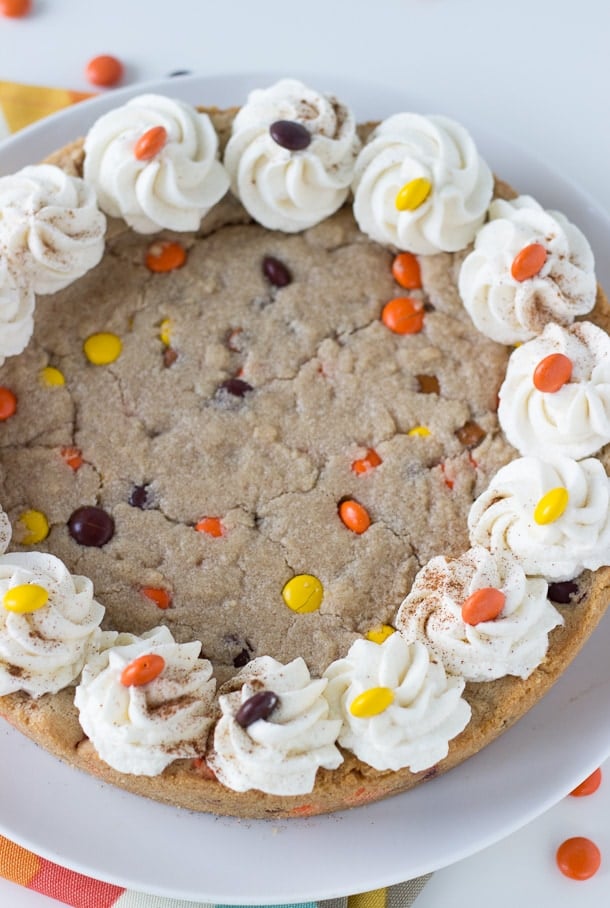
{"type": "Point", "coordinates": [24, 104]}
{"type": "Point", "coordinates": [375, 899]}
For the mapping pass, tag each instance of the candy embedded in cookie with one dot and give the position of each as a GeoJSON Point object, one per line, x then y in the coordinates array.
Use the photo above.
{"type": "Point", "coordinates": [291, 155]}
{"type": "Point", "coordinates": [553, 515]}
{"type": "Point", "coordinates": [397, 706]}
{"type": "Point", "coordinates": [556, 394]}
{"type": "Point", "coordinates": [510, 641]}
{"type": "Point", "coordinates": [529, 267]}
{"type": "Point", "coordinates": [146, 701]}
{"type": "Point", "coordinates": [420, 185]}
{"type": "Point", "coordinates": [274, 744]}
{"type": "Point", "coordinates": [49, 623]}
{"type": "Point", "coordinates": [155, 184]}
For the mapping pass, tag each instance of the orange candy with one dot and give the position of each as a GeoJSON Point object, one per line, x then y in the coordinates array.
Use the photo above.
{"type": "Point", "coordinates": [210, 525]}
{"type": "Point", "coordinates": [162, 598]}
{"type": "Point", "coordinates": [142, 670]}
{"type": "Point", "coordinates": [483, 605]}
{"type": "Point", "coordinates": [104, 70]}
{"type": "Point", "coordinates": [370, 460]}
{"type": "Point", "coordinates": [354, 516]}
{"type": "Point", "coordinates": [589, 786]}
{"type": "Point", "coordinates": [552, 372]}
{"type": "Point", "coordinates": [14, 9]}
{"type": "Point", "coordinates": [165, 255]}
{"type": "Point", "coordinates": [578, 858]}
{"type": "Point", "coordinates": [528, 262]}
{"type": "Point", "coordinates": [406, 272]}
{"type": "Point", "coordinates": [150, 143]}
{"type": "Point", "coordinates": [72, 457]}
{"type": "Point", "coordinates": [8, 403]}
{"type": "Point", "coordinates": [403, 315]}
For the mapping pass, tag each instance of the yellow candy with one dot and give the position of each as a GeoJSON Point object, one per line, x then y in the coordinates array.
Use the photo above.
{"type": "Point", "coordinates": [36, 527]}
{"type": "Point", "coordinates": [420, 431]}
{"type": "Point", "coordinates": [551, 506]}
{"type": "Point", "coordinates": [380, 633]}
{"type": "Point", "coordinates": [413, 194]}
{"type": "Point", "coordinates": [28, 597]}
{"type": "Point", "coordinates": [102, 349]}
{"type": "Point", "coordinates": [164, 332]}
{"type": "Point", "coordinates": [303, 593]}
{"type": "Point", "coordinates": [52, 377]}
{"type": "Point", "coordinates": [371, 702]}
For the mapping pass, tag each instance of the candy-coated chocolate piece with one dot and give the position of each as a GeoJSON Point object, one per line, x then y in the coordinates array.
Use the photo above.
{"type": "Point", "coordinates": [91, 526]}
{"type": "Point", "coordinates": [52, 377]}
{"type": "Point", "coordinates": [35, 527]}
{"type": "Point", "coordinates": [103, 348]}
{"type": "Point", "coordinates": [562, 592]}
{"type": "Point", "coordinates": [258, 706]}
{"type": "Point", "coordinates": [25, 598]}
{"type": "Point", "coordinates": [470, 434]}
{"type": "Point", "coordinates": [528, 262]}
{"type": "Point", "coordinates": [413, 194]}
{"type": "Point", "coordinates": [72, 457]}
{"type": "Point", "coordinates": [421, 431]}
{"type": "Point", "coordinates": [403, 315]}
{"type": "Point", "coordinates": [484, 604]}
{"type": "Point", "coordinates": [165, 255]}
{"type": "Point", "coordinates": [551, 506]}
{"type": "Point", "coordinates": [150, 143]}
{"type": "Point", "coordinates": [8, 403]}
{"type": "Point", "coordinates": [380, 633]}
{"type": "Point", "coordinates": [104, 70]}
{"type": "Point", "coordinates": [212, 526]}
{"type": "Point", "coordinates": [578, 858]}
{"type": "Point", "coordinates": [290, 135]}
{"type": "Point", "coordinates": [303, 593]}
{"type": "Point", "coordinates": [142, 670]}
{"type": "Point", "coordinates": [236, 386]}
{"type": "Point", "coordinates": [406, 271]}
{"type": "Point", "coordinates": [276, 272]}
{"type": "Point", "coordinates": [15, 9]}
{"type": "Point", "coordinates": [552, 373]}
{"type": "Point", "coordinates": [364, 464]}
{"type": "Point", "coordinates": [162, 598]}
{"type": "Point", "coordinates": [355, 517]}
{"type": "Point", "coordinates": [371, 702]}
{"type": "Point", "coordinates": [165, 332]}
{"type": "Point", "coordinates": [589, 786]}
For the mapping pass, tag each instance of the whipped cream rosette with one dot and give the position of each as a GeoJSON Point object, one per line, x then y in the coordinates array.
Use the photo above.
{"type": "Point", "coordinates": [17, 305]}
{"type": "Point", "coordinates": [397, 705]}
{"type": "Point", "coordinates": [275, 730]}
{"type": "Point", "coordinates": [49, 623]}
{"type": "Point", "coordinates": [480, 615]}
{"type": "Point", "coordinates": [154, 163]}
{"type": "Point", "coordinates": [51, 229]}
{"type": "Point", "coordinates": [421, 185]}
{"type": "Point", "coordinates": [553, 515]}
{"type": "Point", "coordinates": [146, 701]}
{"type": "Point", "coordinates": [556, 394]}
{"type": "Point", "coordinates": [291, 155]}
{"type": "Point", "coordinates": [529, 267]}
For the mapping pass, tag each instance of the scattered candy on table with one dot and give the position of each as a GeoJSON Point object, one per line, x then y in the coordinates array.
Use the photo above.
{"type": "Point", "coordinates": [578, 858]}
{"type": "Point", "coordinates": [104, 70]}
{"type": "Point", "coordinates": [15, 9]}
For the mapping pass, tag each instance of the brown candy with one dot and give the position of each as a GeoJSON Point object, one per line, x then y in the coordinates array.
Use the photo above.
{"type": "Point", "coordinates": [259, 706]}
{"type": "Point", "coordinates": [470, 434]}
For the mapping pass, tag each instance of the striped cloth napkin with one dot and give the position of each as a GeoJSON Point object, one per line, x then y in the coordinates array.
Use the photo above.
{"type": "Point", "coordinates": [21, 105]}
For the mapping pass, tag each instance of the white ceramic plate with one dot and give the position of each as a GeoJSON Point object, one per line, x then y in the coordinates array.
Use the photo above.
{"type": "Point", "coordinates": [81, 823]}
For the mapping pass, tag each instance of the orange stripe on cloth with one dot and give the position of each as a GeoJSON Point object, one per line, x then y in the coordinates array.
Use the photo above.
{"type": "Point", "coordinates": [24, 104]}
{"type": "Point", "coordinates": [17, 864]}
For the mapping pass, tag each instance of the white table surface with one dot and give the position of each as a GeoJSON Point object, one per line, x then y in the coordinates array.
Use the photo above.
{"type": "Point", "coordinates": [536, 73]}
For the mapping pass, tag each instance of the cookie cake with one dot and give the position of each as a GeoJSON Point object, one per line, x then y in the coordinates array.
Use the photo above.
{"type": "Point", "coordinates": [303, 433]}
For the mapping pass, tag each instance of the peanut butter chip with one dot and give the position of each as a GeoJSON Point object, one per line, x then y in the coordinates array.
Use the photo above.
{"type": "Point", "coordinates": [428, 384]}
{"type": "Point", "coordinates": [470, 434]}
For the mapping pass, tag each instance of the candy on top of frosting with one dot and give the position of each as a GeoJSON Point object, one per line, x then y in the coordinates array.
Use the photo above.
{"type": "Point", "coordinates": [284, 187]}
{"type": "Point", "coordinates": [562, 285]}
{"type": "Point", "coordinates": [574, 418]}
{"type": "Point", "coordinates": [16, 314]}
{"type": "Point", "coordinates": [51, 230]}
{"type": "Point", "coordinates": [43, 647]}
{"type": "Point", "coordinates": [420, 185]}
{"type": "Point", "coordinates": [411, 728]}
{"type": "Point", "coordinates": [174, 188]}
{"type": "Point", "coordinates": [577, 535]}
{"type": "Point", "coordinates": [513, 643]}
{"type": "Point", "coordinates": [279, 754]}
{"type": "Point", "coordinates": [142, 728]}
